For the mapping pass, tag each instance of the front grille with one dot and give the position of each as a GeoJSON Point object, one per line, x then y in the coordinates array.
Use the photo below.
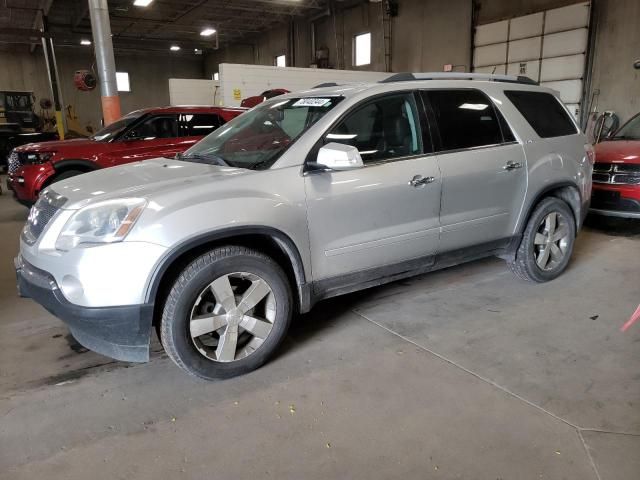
{"type": "Point", "coordinates": [13, 162]}
{"type": "Point", "coordinates": [617, 173]}
{"type": "Point", "coordinates": [41, 214]}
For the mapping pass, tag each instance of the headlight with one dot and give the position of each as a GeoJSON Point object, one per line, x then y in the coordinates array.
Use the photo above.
{"type": "Point", "coordinates": [38, 158]}
{"type": "Point", "coordinates": [104, 222]}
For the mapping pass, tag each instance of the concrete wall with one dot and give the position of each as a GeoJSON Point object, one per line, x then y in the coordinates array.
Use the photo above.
{"type": "Point", "coordinates": [617, 46]}
{"type": "Point", "coordinates": [148, 75]}
{"type": "Point", "coordinates": [425, 35]}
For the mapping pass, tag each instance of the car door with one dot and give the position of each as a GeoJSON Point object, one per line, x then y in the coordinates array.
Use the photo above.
{"type": "Point", "coordinates": [154, 136]}
{"type": "Point", "coordinates": [373, 218]}
{"type": "Point", "coordinates": [484, 174]}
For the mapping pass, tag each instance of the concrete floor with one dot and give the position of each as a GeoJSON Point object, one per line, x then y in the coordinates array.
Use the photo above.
{"type": "Point", "coordinates": [466, 373]}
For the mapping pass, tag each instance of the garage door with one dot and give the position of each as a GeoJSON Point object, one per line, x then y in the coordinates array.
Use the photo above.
{"type": "Point", "coordinates": [549, 47]}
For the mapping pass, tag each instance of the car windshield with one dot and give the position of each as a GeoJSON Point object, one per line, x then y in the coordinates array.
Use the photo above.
{"type": "Point", "coordinates": [111, 131]}
{"type": "Point", "coordinates": [630, 130]}
{"type": "Point", "coordinates": [257, 138]}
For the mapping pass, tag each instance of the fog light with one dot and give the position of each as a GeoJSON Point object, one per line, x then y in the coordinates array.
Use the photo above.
{"type": "Point", "coordinates": [71, 287]}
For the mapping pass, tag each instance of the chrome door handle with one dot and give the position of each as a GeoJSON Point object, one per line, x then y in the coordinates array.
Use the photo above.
{"type": "Point", "coordinates": [512, 165]}
{"type": "Point", "coordinates": [419, 181]}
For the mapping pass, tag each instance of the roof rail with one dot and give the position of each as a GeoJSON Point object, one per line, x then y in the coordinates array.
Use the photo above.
{"type": "Point", "coordinates": [407, 77]}
{"type": "Point", "coordinates": [326, 84]}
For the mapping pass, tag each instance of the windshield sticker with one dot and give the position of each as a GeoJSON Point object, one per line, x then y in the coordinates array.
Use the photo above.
{"type": "Point", "coordinates": [312, 102]}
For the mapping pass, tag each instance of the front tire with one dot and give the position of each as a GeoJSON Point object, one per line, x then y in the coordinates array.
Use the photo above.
{"type": "Point", "coordinates": [227, 313]}
{"type": "Point", "coordinates": [547, 242]}
{"type": "Point", "coordinates": [65, 175]}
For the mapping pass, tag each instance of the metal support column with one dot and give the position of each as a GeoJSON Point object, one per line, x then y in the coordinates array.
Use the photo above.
{"type": "Point", "coordinates": [54, 83]}
{"type": "Point", "coordinates": [103, 46]}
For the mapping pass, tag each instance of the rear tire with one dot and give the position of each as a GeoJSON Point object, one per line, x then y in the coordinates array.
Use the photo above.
{"type": "Point", "coordinates": [227, 313]}
{"type": "Point", "coordinates": [547, 242]}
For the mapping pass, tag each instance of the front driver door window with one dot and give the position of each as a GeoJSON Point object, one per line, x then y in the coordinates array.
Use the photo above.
{"type": "Point", "coordinates": [155, 136]}
{"type": "Point", "coordinates": [360, 220]}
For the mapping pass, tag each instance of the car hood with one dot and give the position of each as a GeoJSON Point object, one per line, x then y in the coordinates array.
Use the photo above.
{"type": "Point", "coordinates": [139, 180]}
{"type": "Point", "coordinates": [61, 145]}
{"type": "Point", "coordinates": [627, 151]}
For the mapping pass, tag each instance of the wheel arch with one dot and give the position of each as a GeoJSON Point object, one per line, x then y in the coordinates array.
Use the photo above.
{"type": "Point", "coordinates": [566, 191]}
{"type": "Point", "coordinates": [74, 164]}
{"type": "Point", "coordinates": [267, 240]}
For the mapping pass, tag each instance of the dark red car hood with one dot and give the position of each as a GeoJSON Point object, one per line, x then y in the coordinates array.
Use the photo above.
{"type": "Point", "coordinates": [627, 151]}
{"type": "Point", "coordinates": [64, 146]}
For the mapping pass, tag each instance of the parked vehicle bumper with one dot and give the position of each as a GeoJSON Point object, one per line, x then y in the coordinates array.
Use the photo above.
{"type": "Point", "coordinates": [622, 201]}
{"type": "Point", "coordinates": [119, 332]}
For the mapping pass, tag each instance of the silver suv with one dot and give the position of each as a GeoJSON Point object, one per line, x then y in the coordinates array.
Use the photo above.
{"type": "Point", "coordinates": [307, 196]}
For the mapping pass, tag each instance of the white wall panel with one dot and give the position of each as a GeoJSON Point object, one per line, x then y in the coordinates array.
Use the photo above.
{"type": "Point", "coordinates": [570, 90]}
{"type": "Point", "coordinates": [522, 50]}
{"type": "Point", "coordinates": [491, 33]}
{"type": "Point", "coordinates": [574, 109]}
{"type": "Point", "coordinates": [527, 26]}
{"type": "Point", "coordinates": [562, 68]}
{"type": "Point", "coordinates": [567, 18]}
{"type": "Point", "coordinates": [497, 69]}
{"type": "Point", "coordinates": [490, 55]}
{"type": "Point", "coordinates": [238, 81]}
{"type": "Point", "coordinates": [529, 69]}
{"type": "Point", "coordinates": [189, 91]}
{"type": "Point", "coordinates": [565, 43]}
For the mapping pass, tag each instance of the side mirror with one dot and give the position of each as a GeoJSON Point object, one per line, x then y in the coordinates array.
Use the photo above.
{"type": "Point", "coordinates": [338, 156]}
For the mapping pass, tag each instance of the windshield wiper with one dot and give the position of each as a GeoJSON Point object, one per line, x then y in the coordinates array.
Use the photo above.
{"type": "Point", "coordinates": [209, 158]}
{"type": "Point", "coordinates": [624, 137]}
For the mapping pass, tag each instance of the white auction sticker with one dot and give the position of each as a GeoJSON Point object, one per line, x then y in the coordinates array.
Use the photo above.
{"type": "Point", "coordinates": [312, 102]}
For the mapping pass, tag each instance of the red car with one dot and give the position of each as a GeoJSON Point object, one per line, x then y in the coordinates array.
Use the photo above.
{"type": "Point", "coordinates": [140, 135]}
{"type": "Point", "coordinates": [616, 173]}
{"type": "Point", "coordinates": [266, 95]}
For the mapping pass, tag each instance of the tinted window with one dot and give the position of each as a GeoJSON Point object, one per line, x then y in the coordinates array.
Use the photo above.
{"type": "Point", "coordinates": [198, 124]}
{"type": "Point", "coordinates": [465, 118]}
{"type": "Point", "coordinates": [544, 113]}
{"type": "Point", "coordinates": [385, 128]}
{"type": "Point", "coordinates": [155, 127]}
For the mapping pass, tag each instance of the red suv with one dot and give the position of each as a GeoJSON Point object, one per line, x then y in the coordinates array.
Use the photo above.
{"type": "Point", "coordinates": [616, 173]}
{"type": "Point", "coordinates": [140, 135]}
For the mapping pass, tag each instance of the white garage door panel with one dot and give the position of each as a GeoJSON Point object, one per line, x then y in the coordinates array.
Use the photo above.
{"type": "Point", "coordinates": [490, 55]}
{"type": "Point", "coordinates": [499, 69]}
{"type": "Point", "coordinates": [529, 69]}
{"type": "Point", "coordinates": [522, 50]}
{"type": "Point", "coordinates": [525, 27]}
{"type": "Point", "coordinates": [570, 90]}
{"type": "Point", "coordinates": [562, 68]}
{"type": "Point", "coordinates": [574, 109]}
{"type": "Point", "coordinates": [491, 33]}
{"type": "Point", "coordinates": [565, 43]}
{"type": "Point", "coordinates": [567, 18]}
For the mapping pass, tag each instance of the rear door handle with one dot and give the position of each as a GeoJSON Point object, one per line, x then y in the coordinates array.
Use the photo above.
{"type": "Point", "coordinates": [512, 165]}
{"type": "Point", "coordinates": [419, 181]}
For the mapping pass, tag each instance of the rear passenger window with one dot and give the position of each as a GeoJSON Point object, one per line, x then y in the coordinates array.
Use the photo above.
{"type": "Point", "coordinates": [199, 124]}
{"type": "Point", "coordinates": [465, 119]}
{"type": "Point", "coordinates": [544, 112]}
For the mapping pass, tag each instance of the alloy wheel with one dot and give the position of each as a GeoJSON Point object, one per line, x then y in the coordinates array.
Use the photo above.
{"type": "Point", "coordinates": [232, 317]}
{"type": "Point", "coordinates": [551, 241]}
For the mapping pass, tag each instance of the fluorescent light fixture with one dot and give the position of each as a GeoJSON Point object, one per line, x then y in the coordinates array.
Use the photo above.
{"type": "Point", "coordinates": [142, 3]}
{"type": "Point", "coordinates": [197, 51]}
{"type": "Point", "coordinates": [207, 32]}
{"type": "Point", "coordinates": [84, 41]}
{"type": "Point", "coordinates": [174, 48]}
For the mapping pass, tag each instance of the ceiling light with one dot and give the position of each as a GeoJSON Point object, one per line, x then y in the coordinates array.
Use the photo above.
{"type": "Point", "coordinates": [85, 42]}
{"type": "Point", "coordinates": [197, 51]}
{"type": "Point", "coordinates": [208, 32]}
{"type": "Point", "coordinates": [174, 48]}
{"type": "Point", "coordinates": [142, 3]}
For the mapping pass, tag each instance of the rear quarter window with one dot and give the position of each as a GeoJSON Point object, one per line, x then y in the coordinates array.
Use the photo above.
{"type": "Point", "coordinates": [544, 112]}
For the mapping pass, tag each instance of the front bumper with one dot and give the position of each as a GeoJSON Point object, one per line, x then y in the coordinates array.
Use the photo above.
{"type": "Point", "coordinates": [120, 332]}
{"type": "Point", "coordinates": [616, 201]}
